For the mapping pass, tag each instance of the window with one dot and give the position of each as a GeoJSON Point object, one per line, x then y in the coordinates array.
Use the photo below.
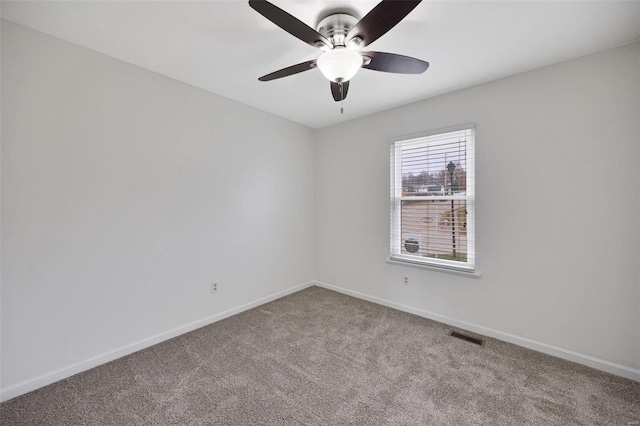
{"type": "Point", "coordinates": [432, 199]}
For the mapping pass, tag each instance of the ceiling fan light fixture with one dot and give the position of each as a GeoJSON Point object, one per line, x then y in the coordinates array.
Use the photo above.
{"type": "Point", "coordinates": [339, 64]}
{"type": "Point", "coordinates": [341, 36]}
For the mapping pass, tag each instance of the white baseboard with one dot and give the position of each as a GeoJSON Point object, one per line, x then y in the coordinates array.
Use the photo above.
{"type": "Point", "coordinates": [68, 371]}
{"type": "Point", "coordinates": [598, 364]}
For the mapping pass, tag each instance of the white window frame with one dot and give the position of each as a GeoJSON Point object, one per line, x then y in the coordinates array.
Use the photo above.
{"type": "Point", "coordinates": [396, 255]}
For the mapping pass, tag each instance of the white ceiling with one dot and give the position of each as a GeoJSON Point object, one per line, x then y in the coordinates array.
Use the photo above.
{"type": "Point", "coordinates": [224, 46]}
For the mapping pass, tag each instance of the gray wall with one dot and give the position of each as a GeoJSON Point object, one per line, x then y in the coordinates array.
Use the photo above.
{"type": "Point", "coordinates": [125, 193]}
{"type": "Point", "coordinates": [558, 185]}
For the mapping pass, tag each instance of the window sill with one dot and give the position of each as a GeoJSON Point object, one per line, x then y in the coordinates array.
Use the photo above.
{"type": "Point", "coordinates": [469, 274]}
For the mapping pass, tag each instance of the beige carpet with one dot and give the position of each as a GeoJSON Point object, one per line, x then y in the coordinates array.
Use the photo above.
{"type": "Point", "coordinates": [322, 358]}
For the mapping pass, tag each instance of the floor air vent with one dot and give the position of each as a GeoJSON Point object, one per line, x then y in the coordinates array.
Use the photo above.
{"type": "Point", "coordinates": [459, 335]}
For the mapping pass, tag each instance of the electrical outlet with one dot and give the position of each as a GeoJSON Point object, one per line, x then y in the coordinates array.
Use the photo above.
{"type": "Point", "coordinates": [406, 280]}
{"type": "Point", "coordinates": [214, 287]}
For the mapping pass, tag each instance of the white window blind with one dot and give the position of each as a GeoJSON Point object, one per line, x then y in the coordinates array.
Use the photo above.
{"type": "Point", "coordinates": [432, 199]}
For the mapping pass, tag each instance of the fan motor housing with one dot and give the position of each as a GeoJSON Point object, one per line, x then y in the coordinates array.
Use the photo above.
{"type": "Point", "coordinates": [336, 27]}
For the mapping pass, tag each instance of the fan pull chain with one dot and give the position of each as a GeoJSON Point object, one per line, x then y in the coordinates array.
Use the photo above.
{"type": "Point", "coordinates": [341, 98]}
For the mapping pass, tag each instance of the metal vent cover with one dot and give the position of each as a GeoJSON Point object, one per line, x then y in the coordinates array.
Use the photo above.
{"type": "Point", "coordinates": [462, 336]}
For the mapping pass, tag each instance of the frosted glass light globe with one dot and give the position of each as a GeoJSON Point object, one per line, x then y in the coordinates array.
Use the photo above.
{"type": "Point", "coordinates": [339, 64]}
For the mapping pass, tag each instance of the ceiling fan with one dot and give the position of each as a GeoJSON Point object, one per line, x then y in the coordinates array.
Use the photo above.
{"type": "Point", "coordinates": [341, 36]}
